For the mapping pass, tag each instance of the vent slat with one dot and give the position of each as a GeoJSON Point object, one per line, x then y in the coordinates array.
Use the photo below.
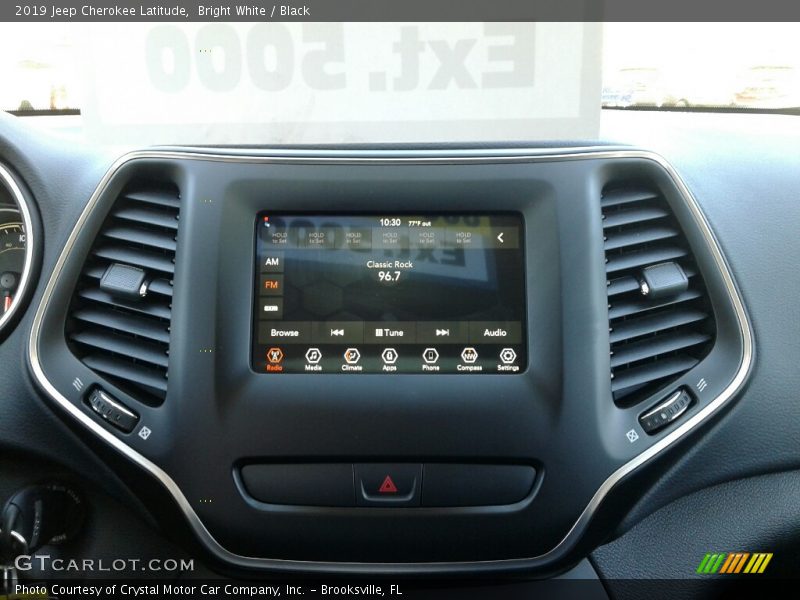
{"type": "Point", "coordinates": [126, 346]}
{"type": "Point", "coordinates": [634, 215]}
{"type": "Point", "coordinates": [633, 328]}
{"type": "Point", "coordinates": [95, 271]}
{"type": "Point", "coordinates": [651, 373]}
{"type": "Point", "coordinates": [152, 379]}
{"type": "Point", "coordinates": [139, 235]}
{"type": "Point", "coordinates": [626, 308]}
{"type": "Point", "coordinates": [160, 198]}
{"type": "Point", "coordinates": [160, 286]}
{"type": "Point", "coordinates": [622, 285]}
{"type": "Point", "coordinates": [654, 346]}
{"type": "Point", "coordinates": [628, 196]}
{"type": "Point", "coordinates": [162, 311]}
{"type": "Point", "coordinates": [138, 214]}
{"type": "Point", "coordinates": [137, 257]}
{"type": "Point", "coordinates": [114, 319]}
{"type": "Point", "coordinates": [642, 235]}
{"type": "Point", "coordinates": [643, 258]}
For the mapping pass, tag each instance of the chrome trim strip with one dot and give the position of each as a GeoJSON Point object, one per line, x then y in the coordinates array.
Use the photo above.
{"type": "Point", "coordinates": [423, 157]}
{"type": "Point", "coordinates": [25, 212]}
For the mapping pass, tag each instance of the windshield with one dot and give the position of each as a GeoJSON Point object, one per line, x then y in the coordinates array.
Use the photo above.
{"type": "Point", "coordinates": [222, 83]}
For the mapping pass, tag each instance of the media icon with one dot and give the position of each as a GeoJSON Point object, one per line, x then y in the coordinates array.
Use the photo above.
{"type": "Point", "coordinates": [469, 355]}
{"type": "Point", "coordinates": [352, 356]}
{"type": "Point", "coordinates": [313, 356]}
{"type": "Point", "coordinates": [430, 356]}
{"type": "Point", "coordinates": [389, 356]}
{"type": "Point", "coordinates": [275, 356]}
{"type": "Point", "coordinates": [508, 356]}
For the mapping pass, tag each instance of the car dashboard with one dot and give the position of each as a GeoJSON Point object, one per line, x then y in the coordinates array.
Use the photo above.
{"type": "Point", "coordinates": [398, 361]}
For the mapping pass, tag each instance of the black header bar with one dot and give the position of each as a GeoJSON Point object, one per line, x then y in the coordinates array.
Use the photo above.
{"type": "Point", "coordinates": [405, 10]}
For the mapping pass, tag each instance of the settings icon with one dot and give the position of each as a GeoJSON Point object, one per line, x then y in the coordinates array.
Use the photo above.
{"type": "Point", "coordinates": [508, 356]}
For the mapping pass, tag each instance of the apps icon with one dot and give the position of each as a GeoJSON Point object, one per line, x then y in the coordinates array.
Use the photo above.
{"type": "Point", "coordinates": [389, 356]}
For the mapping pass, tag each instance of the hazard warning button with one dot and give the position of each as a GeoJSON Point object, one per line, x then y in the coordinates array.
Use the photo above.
{"type": "Point", "coordinates": [389, 485]}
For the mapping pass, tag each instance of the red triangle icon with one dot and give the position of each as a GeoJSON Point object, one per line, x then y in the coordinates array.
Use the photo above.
{"type": "Point", "coordinates": [388, 486]}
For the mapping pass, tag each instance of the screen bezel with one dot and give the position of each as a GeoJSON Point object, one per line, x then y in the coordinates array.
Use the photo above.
{"type": "Point", "coordinates": [515, 214]}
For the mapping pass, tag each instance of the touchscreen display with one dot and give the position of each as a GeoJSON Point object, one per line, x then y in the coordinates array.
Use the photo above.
{"type": "Point", "coordinates": [389, 294]}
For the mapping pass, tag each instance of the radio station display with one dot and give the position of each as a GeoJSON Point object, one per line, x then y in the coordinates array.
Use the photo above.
{"type": "Point", "coordinates": [389, 294]}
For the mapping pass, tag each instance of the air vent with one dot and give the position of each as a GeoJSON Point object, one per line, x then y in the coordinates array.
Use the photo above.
{"type": "Point", "coordinates": [657, 333]}
{"type": "Point", "coordinates": [123, 334]}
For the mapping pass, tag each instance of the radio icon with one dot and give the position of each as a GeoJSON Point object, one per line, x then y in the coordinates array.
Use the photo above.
{"type": "Point", "coordinates": [275, 356]}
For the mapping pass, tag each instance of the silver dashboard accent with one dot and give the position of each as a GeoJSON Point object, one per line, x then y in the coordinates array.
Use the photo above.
{"type": "Point", "coordinates": [520, 155]}
{"type": "Point", "coordinates": [25, 213]}
{"type": "Point", "coordinates": [23, 543]}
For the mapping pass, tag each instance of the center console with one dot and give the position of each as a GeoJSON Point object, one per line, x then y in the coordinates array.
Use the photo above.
{"type": "Point", "coordinates": [419, 362]}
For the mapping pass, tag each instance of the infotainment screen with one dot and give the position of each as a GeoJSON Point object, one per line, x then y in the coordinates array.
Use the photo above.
{"type": "Point", "coordinates": [389, 294]}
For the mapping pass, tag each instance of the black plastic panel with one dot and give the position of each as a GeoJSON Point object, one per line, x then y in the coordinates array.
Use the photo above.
{"type": "Point", "coordinates": [476, 485]}
{"type": "Point", "coordinates": [303, 484]}
{"type": "Point", "coordinates": [557, 416]}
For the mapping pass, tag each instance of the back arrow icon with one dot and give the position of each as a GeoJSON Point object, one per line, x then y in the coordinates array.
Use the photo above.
{"type": "Point", "coordinates": [500, 237]}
